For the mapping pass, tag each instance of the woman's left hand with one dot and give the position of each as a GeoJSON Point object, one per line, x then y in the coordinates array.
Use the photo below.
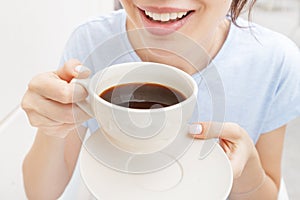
{"type": "Point", "coordinates": [234, 140]}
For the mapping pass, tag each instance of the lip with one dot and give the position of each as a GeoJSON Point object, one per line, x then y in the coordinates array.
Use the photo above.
{"type": "Point", "coordinates": [161, 29]}
{"type": "Point", "coordinates": [163, 9]}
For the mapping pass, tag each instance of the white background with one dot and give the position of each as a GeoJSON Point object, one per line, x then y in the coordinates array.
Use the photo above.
{"type": "Point", "coordinates": [32, 37]}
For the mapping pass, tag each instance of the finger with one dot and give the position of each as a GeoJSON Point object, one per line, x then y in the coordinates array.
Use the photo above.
{"type": "Point", "coordinates": [68, 72]}
{"type": "Point", "coordinates": [228, 131]}
{"type": "Point", "coordinates": [226, 146]}
{"type": "Point", "coordinates": [73, 69]}
{"type": "Point", "coordinates": [38, 120]}
{"type": "Point", "coordinates": [63, 113]}
{"type": "Point", "coordinates": [238, 162]}
{"type": "Point", "coordinates": [50, 86]}
{"type": "Point", "coordinates": [83, 72]}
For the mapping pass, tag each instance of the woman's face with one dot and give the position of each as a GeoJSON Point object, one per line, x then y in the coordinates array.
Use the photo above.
{"type": "Point", "coordinates": [169, 29]}
{"type": "Point", "coordinates": [193, 18]}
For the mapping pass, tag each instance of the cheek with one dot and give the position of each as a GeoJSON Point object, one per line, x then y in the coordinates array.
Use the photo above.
{"type": "Point", "coordinates": [219, 9]}
{"type": "Point", "coordinates": [220, 6]}
{"type": "Point", "coordinates": [227, 5]}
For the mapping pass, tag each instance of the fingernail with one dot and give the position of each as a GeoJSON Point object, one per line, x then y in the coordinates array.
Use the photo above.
{"type": "Point", "coordinates": [81, 68]}
{"type": "Point", "coordinates": [195, 129]}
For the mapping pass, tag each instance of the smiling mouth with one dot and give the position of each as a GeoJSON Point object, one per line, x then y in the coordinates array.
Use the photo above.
{"type": "Point", "coordinates": [166, 17]}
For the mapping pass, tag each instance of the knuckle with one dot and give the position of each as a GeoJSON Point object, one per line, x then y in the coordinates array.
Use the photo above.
{"type": "Point", "coordinates": [234, 126]}
{"type": "Point", "coordinates": [34, 123]}
{"type": "Point", "coordinates": [65, 94]}
{"type": "Point", "coordinates": [33, 119]}
{"type": "Point", "coordinates": [36, 81]}
{"type": "Point", "coordinates": [25, 105]}
{"type": "Point", "coordinates": [32, 85]}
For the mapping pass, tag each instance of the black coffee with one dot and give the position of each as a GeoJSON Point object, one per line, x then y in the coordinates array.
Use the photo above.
{"type": "Point", "coordinates": [142, 95]}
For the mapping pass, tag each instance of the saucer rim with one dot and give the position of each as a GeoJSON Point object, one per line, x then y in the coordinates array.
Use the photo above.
{"type": "Point", "coordinates": [85, 152]}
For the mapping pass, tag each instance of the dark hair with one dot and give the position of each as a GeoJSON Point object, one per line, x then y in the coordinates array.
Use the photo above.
{"type": "Point", "coordinates": [237, 6]}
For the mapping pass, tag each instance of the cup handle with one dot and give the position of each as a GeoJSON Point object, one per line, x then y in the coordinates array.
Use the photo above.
{"type": "Point", "coordinates": [85, 105]}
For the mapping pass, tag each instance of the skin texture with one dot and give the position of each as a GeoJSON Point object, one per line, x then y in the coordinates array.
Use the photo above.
{"type": "Point", "coordinates": [49, 104]}
{"type": "Point", "coordinates": [53, 155]}
{"type": "Point", "coordinates": [206, 29]}
{"type": "Point", "coordinates": [256, 168]}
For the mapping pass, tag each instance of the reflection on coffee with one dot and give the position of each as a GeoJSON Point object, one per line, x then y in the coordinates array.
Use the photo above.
{"type": "Point", "coordinates": [142, 95]}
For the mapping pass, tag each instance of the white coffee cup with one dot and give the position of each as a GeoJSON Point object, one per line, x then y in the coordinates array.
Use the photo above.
{"type": "Point", "coordinates": [140, 131]}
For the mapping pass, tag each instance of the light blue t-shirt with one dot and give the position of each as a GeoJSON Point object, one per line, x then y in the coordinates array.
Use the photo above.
{"type": "Point", "coordinates": [253, 81]}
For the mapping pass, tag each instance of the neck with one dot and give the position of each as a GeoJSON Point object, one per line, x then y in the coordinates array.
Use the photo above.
{"type": "Point", "coordinates": [178, 50]}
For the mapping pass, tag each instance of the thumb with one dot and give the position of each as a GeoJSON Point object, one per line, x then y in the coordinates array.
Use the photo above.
{"type": "Point", "coordinates": [72, 69]}
{"type": "Point", "coordinates": [208, 130]}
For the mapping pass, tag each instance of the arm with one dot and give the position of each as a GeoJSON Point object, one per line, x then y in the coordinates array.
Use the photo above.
{"type": "Point", "coordinates": [50, 104]}
{"type": "Point", "coordinates": [49, 165]}
{"type": "Point", "coordinates": [253, 184]}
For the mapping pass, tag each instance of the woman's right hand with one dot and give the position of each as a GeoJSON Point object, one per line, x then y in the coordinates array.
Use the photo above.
{"type": "Point", "coordinates": [50, 100]}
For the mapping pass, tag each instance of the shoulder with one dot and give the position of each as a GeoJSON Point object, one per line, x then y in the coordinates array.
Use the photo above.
{"type": "Point", "coordinates": [266, 48]}
{"type": "Point", "coordinates": [92, 33]}
{"type": "Point", "coordinates": [103, 24]}
{"type": "Point", "coordinates": [262, 38]}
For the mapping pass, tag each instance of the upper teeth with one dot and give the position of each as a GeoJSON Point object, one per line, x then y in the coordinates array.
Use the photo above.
{"type": "Point", "coordinates": [164, 17]}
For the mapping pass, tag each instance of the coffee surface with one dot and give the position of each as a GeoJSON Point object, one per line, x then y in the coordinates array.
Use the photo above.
{"type": "Point", "coordinates": [142, 95]}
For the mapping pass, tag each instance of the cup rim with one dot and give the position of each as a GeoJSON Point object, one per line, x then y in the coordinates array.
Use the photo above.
{"type": "Point", "coordinates": [136, 110]}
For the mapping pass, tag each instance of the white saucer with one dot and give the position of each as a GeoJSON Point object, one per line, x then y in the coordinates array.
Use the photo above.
{"type": "Point", "coordinates": [111, 174]}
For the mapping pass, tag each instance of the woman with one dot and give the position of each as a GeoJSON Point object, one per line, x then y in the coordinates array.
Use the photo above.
{"type": "Point", "coordinates": [259, 72]}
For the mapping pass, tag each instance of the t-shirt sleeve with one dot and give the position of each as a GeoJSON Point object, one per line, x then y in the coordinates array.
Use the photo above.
{"type": "Point", "coordinates": [75, 48]}
{"type": "Point", "coordinates": [285, 102]}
